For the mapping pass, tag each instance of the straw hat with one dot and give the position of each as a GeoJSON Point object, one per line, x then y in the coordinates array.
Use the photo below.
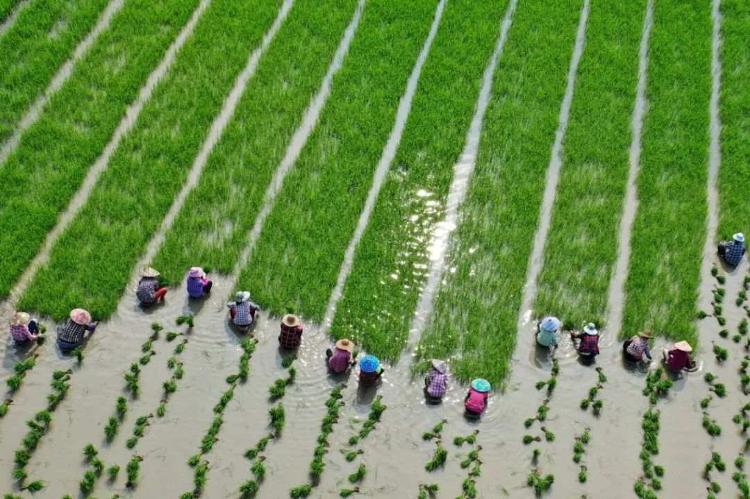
{"type": "Point", "coordinates": [242, 296]}
{"type": "Point", "coordinates": [439, 365]}
{"type": "Point", "coordinates": [150, 272]}
{"type": "Point", "coordinates": [646, 334]}
{"type": "Point", "coordinates": [21, 319]}
{"type": "Point", "coordinates": [550, 324]}
{"type": "Point", "coordinates": [80, 316]}
{"type": "Point", "coordinates": [590, 329]}
{"type": "Point", "coordinates": [739, 237]}
{"type": "Point", "coordinates": [290, 320]}
{"type": "Point", "coordinates": [345, 344]}
{"type": "Point", "coordinates": [196, 272]}
{"type": "Point", "coordinates": [481, 385]}
{"type": "Point", "coordinates": [683, 346]}
{"type": "Point", "coordinates": [369, 364]}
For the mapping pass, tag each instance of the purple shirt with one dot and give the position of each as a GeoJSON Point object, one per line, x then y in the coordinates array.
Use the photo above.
{"type": "Point", "coordinates": [195, 286]}
{"type": "Point", "coordinates": [146, 292]}
{"type": "Point", "coordinates": [437, 384]}
{"type": "Point", "coordinates": [339, 361]}
{"type": "Point", "coordinates": [21, 333]}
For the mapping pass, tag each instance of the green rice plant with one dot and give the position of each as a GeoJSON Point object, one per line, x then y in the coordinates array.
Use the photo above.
{"type": "Point", "coordinates": [77, 123]}
{"type": "Point", "coordinates": [276, 414]}
{"type": "Point", "coordinates": [352, 455]}
{"type": "Point", "coordinates": [146, 358]}
{"type": "Point", "coordinates": [733, 214]}
{"type": "Point", "coordinates": [187, 319]}
{"type": "Point", "coordinates": [277, 389]}
{"type": "Point", "coordinates": [540, 483]}
{"type": "Point", "coordinates": [40, 40]}
{"type": "Point", "coordinates": [199, 478]}
{"type": "Point", "coordinates": [87, 484]}
{"type": "Point", "coordinates": [579, 255]}
{"type": "Point", "coordinates": [662, 286]}
{"type": "Point", "coordinates": [4, 407]}
{"type": "Point", "coordinates": [249, 489]}
{"type": "Point", "coordinates": [518, 130]}
{"type": "Point", "coordinates": [166, 139]}
{"type": "Point", "coordinates": [438, 459]}
{"type": "Point", "coordinates": [359, 474]}
{"type": "Point", "coordinates": [258, 469]}
{"type": "Point", "coordinates": [226, 397]}
{"type": "Point", "coordinates": [34, 486]}
{"type": "Point", "coordinates": [348, 492]}
{"type": "Point", "coordinates": [720, 353]}
{"type": "Point", "coordinates": [112, 472]}
{"type": "Point", "coordinates": [300, 491]}
{"type": "Point", "coordinates": [172, 335]}
{"type": "Point", "coordinates": [133, 469]}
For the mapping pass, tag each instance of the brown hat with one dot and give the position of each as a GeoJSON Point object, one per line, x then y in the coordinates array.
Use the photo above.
{"type": "Point", "coordinates": [646, 334]}
{"type": "Point", "coordinates": [345, 344]}
{"type": "Point", "coordinates": [290, 320]}
{"type": "Point", "coordinates": [683, 346]}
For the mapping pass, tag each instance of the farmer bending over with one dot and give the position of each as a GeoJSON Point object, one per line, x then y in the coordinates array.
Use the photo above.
{"type": "Point", "coordinates": [340, 359]}
{"type": "Point", "coordinates": [678, 358]}
{"type": "Point", "coordinates": [588, 344]}
{"type": "Point", "coordinates": [436, 381]}
{"type": "Point", "coordinates": [150, 291]}
{"type": "Point", "coordinates": [197, 284]}
{"type": "Point", "coordinates": [242, 311]}
{"type": "Point", "coordinates": [636, 348]}
{"type": "Point", "coordinates": [370, 370]}
{"type": "Point", "coordinates": [72, 334]}
{"type": "Point", "coordinates": [23, 329]}
{"type": "Point", "coordinates": [732, 251]}
{"type": "Point", "coordinates": [548, 332]}
{"type": "Point", "coordinates": [476, 400]}
{"type": "Point", "coordinates": [291, 332]}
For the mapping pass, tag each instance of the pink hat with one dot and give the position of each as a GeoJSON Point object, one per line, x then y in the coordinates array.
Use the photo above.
{"type": "Point", "coordinates": [196, 272]}
{"type": "Point", "coordinates": [80, 316]}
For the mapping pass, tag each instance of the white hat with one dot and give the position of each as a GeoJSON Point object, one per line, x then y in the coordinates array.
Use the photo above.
{"type": "Point", "coordinates": [739, 237]}
{"type": "Point", "coordinates": [550, 324]}
{"type": "Point", "coordinates": [439, 365]}
{"type": "Point", "coordinates": [21, 319]}
{"type": "Point", "coordinates": [590, 329]}
{"type": "Point", "coordinates": [683, 346]}
{"type": "Point", "coordinates": [242, 296]}
{"type": "Point", "coordinates": [150, 272]}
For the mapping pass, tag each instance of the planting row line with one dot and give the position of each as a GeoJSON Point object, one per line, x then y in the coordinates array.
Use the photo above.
{"type": "Point", "coordinates": [540, 482]}
{"type": "Point", "coordinates": [585, 220]}
{"type": "Point", "coordinates": [390, 264]}
{"type": "Point", "coordinates": [41, 39]}
{"type": "Point", "coordinates": [149, 166]}
{"type": "Point", "coordinates": [489, 254]}
{"type": "Point", "coordinates": [662, 284]}
{"type": "Point", "coordinates": [40, 177]}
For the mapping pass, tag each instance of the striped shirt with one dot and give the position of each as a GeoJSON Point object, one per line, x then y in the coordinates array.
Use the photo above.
{"type": "Point", "coordinates": [71, 332]}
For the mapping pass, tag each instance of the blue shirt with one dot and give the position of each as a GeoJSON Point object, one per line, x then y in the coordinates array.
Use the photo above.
{"type": "Point", "coordinates": [734, 253]}
{"type": "Point", "coordinates": [195, 287]}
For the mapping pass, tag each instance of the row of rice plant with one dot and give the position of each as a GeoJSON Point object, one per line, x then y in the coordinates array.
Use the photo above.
{"type": "Point", "coordinates": [390, 264]}
{"type": "Point", "coordinates": [297, 258]}
{"type": "Point", "coordinates": [536, 479]}
{"type": "Point", "coordinates": [490, 250]}
{"type": "Point", "coordinates": [440, 454]}
{"type": "Point", "coordinates": [7, 7]}
{"type": "Point", "coordinates": [353, 448]}
{"type": "Point", "coordinates": [734, 173]}
{"type": "Point", "coordinates": [470, 462]}
{"type": "Point", "coordinates": [276, 421]}
{"type": "Point", "coordinates": [20, 370]}
{"type": "Point", "coordinates": [148, 170]}
{"type": "Point", "coordinates": [198, 461]}
{"type": "Point", "coordinates": [78, 121]}
{"type": "Point", "coordinates": [648, 484]}
{"type": "Point", "coordinates": [662, 283]}
{"type": "Point", "coordinates": [41, 39]}
{"type": "Point", "coordinates": [317, 465]}
{"type": "Point", "coordinates": [580, 252]}
{"type": "Point", "coordinates": [244, 161]}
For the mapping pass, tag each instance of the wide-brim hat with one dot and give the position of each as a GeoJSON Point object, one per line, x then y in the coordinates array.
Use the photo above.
{"type": "Point", "coordinates": [481, 385]}
{"type": "Point", "coordinates": [196, 272]}
{"type": "Point", "coordinates": [345, 344]}
{"type": "Point", "coordinates": [646, 334]}
{"type": "Point", "coordinates": [590, 329]}
{"type": "Point", "coordinates": [550, 324]}
{"type": "Point", "coordinates": [80, 316]}
{"type": "Point", "coordinates": [439, 365]}
{"type": "Point", "coordinates": [739, 237]}
{"type": "Point", "coordinates": [683, 346]}
{"type": "Point", "coordinates": [369, 364]}
{"type": "Point", "coordinates": [150, 272]}
{"type": "Point", "coordinates": [21, 319]}
{"type": "Point", "coordinates": [242, 296]}
{"type": "Point", "coordinates": [290, 320]}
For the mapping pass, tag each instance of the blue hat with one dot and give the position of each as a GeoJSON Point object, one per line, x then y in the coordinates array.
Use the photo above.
{"type": "Point", "coordinates": [369, 364]}
{"type": "Point", "coordinates": [481, 385]}
{"type": "Point", "coordinates": [550, 324]}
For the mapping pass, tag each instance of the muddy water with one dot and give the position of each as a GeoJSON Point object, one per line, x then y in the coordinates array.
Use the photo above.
{"type": "Point", "coordinates": [62, 75]}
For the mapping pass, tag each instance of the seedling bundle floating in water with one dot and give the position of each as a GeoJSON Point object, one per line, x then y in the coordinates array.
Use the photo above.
{"type": "Point", "coordinates": [441, 454]}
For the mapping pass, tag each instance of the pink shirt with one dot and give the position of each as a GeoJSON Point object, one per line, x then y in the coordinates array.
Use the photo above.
{"type": "Point", "coordinates": [21, 333]}
{"type": "Point", "coordinates": [476, 401]}
{"type": "Point", "coordinates": [339, 361]}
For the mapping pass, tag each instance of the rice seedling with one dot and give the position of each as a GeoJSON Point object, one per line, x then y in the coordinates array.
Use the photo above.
{"type": "Point", "coordinates": [4, 407]}
{"type": "Point", "coordinates": [249, 489]}
{"type": "Point", "coordinates": [359, 474]}
{"type": "Point", "coordinates": [300, 491]}
{"type": "Point", "coordinates": [518, 129]}
{"type": "Point", "coordinates": [352, 455]}
{"type": "Point", "coordinates": [540, 483]}
{"type": "Point", "coordinates": [132, 470]}
{"type": "Point", "coordinates": [172, 335]}
{"type": "Point", "coordinates": [662, 288]}
{"type": "Point", "coordinates": [428, 490]}
{"type": "Point", "coordinates": [721, 354]}
{"type": "Point", "coordinates": [146, 358]}
{"type": "Point", "coordinates": [277, 417]}
{"type": "Point", "coordinates": [34, 486]}
{"type": "Point", "coordinates": [112, 472]}
{"type": "Point", "coordinates": [438, 459]}
{"type": "Point", "coordinates": [348, 492]}
{"type": "Point", "coordinates": [63, 143]}
{"type": "Point", "coordinates": [436, 431]}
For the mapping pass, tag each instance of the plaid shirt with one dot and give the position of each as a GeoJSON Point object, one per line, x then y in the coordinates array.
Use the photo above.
{"type": "Point", "coordinates": [734, 253]}
{"type": "Point", "coordinates": [147, 290]}
{"type": "Point", "coordinates": [21, 333]}
{"type": "Point", "coordinates": [589, 344]}
{"type": "Point", "coordinates": [437, 384]}
{"type": "Point", "coordinates": [71, 332]}
{"type": "Point", "coordinates": [243, 313]}
{"type": "Point", "coordinates": [290, 337]}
